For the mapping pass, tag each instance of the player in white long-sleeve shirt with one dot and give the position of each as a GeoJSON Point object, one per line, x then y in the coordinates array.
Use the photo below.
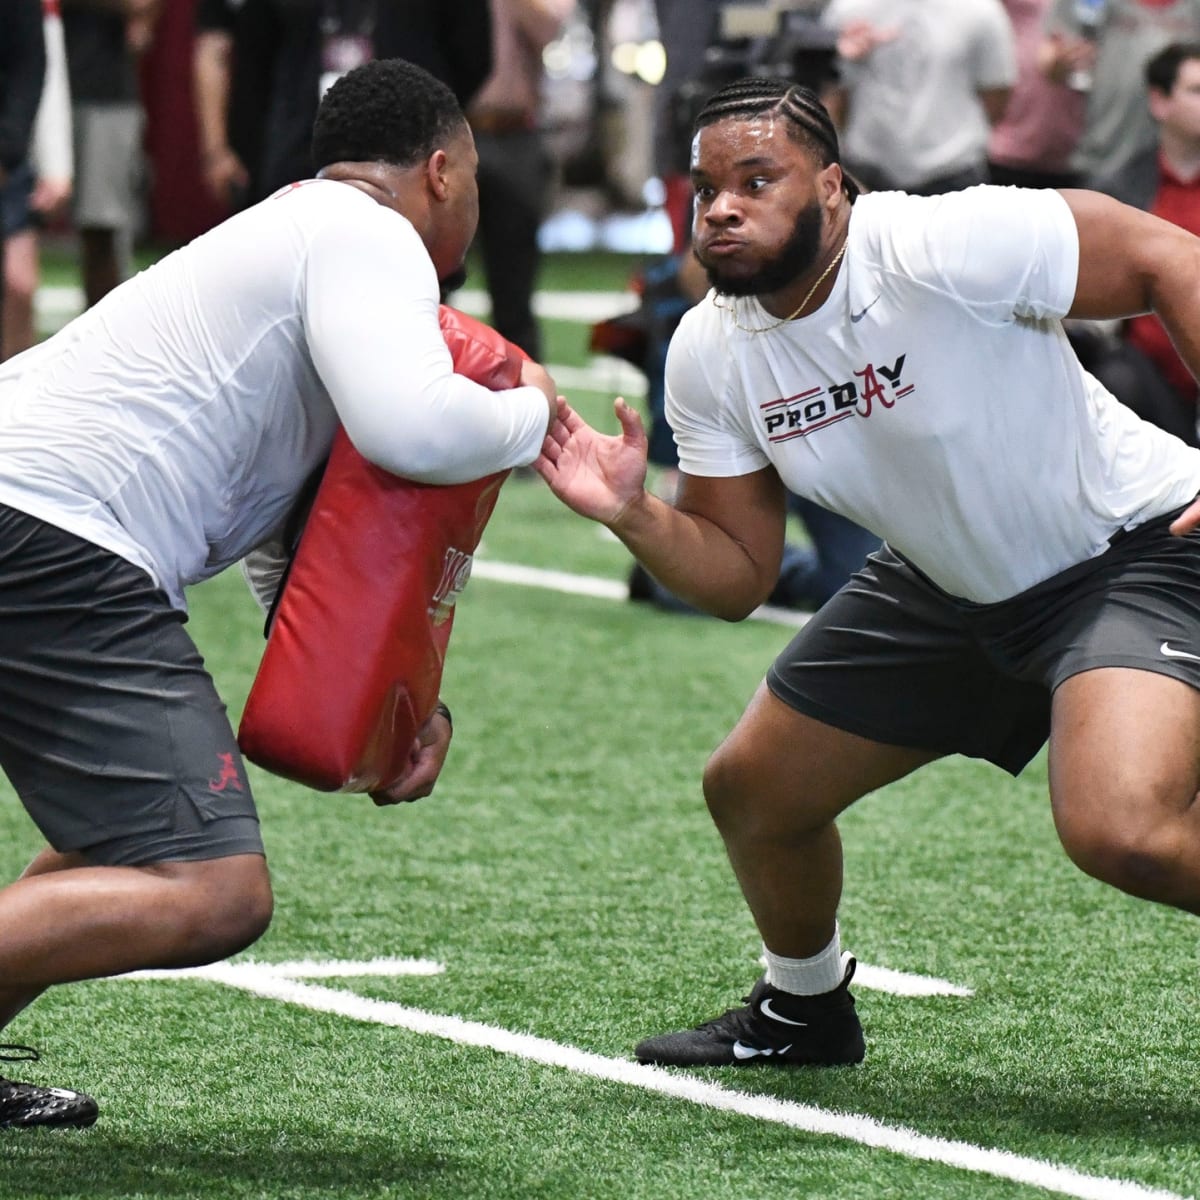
{"type": "Point", "coordinates": [902, 361]}
{"type": "Point", "coordinates": [154, 441]}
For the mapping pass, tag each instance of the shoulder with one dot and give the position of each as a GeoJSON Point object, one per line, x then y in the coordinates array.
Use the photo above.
{"type": "Point", "coordinates": [700, 353]}
{"type": "Point", "coordinates": [997, 250]}
{"type": "Point", "coordinates": [904, 224]}
{"type": "Point", "coordinates": [327, 209]}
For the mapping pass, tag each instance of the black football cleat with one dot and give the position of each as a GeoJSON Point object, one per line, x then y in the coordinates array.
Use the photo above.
{"type": "Point", "coordinates": [775, 1029]}
{"type": "Point", "coordinates": [27, 1106]}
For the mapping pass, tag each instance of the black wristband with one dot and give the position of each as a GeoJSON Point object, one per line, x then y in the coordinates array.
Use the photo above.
{"type": "Point", "coordinates": [441, 708]}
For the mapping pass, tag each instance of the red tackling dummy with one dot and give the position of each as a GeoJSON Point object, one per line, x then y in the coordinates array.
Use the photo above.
{"type": "Point", "coordinates": [356, 648]}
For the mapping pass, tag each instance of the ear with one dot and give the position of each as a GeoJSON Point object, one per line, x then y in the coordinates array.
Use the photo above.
{"type": "Point", "coordinates": [1159, 103]}
{"type": "Point", "coordinates": [829, 185]}
{"type": "Point", "coordinates": [435, 175]}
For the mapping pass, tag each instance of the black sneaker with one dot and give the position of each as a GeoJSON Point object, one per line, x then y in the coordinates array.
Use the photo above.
{"type": "Point", "coordinates": [25, 1105]}
{"type": "Point", "coordinates": [775, 1028]}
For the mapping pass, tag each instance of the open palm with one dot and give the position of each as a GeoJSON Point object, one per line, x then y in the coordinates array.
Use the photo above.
{"type": "Point", "coordinates": [591, 473]}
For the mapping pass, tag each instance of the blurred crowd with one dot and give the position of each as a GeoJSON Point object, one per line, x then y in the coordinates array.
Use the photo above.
{"type": "Point", "coordinates": [929, 96]}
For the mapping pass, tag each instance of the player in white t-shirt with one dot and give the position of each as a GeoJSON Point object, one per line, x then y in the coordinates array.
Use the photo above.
{"type": "Point", "coordinates": [901, 360]}
{"type": "Point", "coordinates": [154, 441]}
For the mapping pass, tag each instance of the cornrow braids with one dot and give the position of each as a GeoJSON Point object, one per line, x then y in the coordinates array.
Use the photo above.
{"type": "Point", "coordinates": [808, 119]}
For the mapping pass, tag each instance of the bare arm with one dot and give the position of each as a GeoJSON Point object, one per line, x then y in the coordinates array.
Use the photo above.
{"type": "Point", "coordinates": [719, 548]}
{"type": "Point", "coordinates": [1131, 262]}
{"type": "Point", "coordinates": [541, 21]}
{"type": "Point", "coordinates": [211, 68]}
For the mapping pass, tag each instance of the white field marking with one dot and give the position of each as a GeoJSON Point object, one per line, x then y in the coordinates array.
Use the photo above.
{"type": "Point", "coordinates": [900, 983]}
{"type": "Point", "coordinates": [307, 968]}
{"type": "Point", "coordinates": [602, 589]}
{"type": "Point", "coordinates": [604, 374]}
{"type": "Point", "coordinates": [261, 980]}
{"type": "Point", "coordinates": [560, 306]}
{"type": "Point", "coordinates": [64, 302]}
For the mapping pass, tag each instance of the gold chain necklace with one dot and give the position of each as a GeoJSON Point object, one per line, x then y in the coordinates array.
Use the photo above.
{"type": "Point", "coordinates": [837, 258]}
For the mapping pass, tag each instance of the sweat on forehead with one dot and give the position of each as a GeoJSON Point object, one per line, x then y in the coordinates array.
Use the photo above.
{"type": "Point", "coordinates": [753, 137]}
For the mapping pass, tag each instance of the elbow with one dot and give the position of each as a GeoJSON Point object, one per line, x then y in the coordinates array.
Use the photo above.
{"type": "Point", "coordinates": [416, 454]}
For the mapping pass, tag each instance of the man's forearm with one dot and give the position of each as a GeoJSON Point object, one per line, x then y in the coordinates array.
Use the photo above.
{"type": "Point", "coordinates": [693, 558]}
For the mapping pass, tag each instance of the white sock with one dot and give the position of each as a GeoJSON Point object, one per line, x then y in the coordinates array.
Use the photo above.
{"type": "Point", "coordinates": [807, 976]}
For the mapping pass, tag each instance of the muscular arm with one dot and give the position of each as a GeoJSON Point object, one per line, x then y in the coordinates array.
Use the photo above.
{"type": "Point", "coordinates": [371, 300]}
{"type": "Point", "coordinates": [719, 548]}
{"type": "Point", "coordinates": [1131, 262]}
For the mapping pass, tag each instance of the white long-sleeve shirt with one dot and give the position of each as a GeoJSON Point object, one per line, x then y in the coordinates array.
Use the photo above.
{"type": "Point", "coordinates": [175, 422]}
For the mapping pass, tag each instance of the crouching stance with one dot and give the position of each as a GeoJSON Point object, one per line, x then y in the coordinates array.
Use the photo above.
{"type": "Point", "coordinates": [158, 439]}
{"type": "Point", "coordinates": [901, 361]}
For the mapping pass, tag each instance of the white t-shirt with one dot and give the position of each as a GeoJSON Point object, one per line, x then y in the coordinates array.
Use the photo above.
{"type": "Point", "coordinates": [175, 422]}
{"type": "Point", "coordinates": [933, 397]}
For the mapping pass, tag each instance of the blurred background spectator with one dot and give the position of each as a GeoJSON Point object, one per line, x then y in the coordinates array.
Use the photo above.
{"type": "Point", "coordinates": [1138, 363]}
{"type": "Point", "coordinates": [104, 40]}
{"type": "Point", "coordinates": [37, 192]}
{"type": "Point", "coordinates": [1102, 46]}
{"type": "Point", "coordinates": [230, 97]}
{"type": "Point", "coordinates": [22, 68]}
{"type": "Point", "coordinates": [1033, 142]}
{"type": "Point", "coordinates": [515, 170]}
{"type": "Point", "coordinates": [262, 65]}
{"type": "Point", "coordinates": [922, 83]}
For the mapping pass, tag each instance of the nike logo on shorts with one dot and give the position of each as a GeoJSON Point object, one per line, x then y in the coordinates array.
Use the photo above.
{"type": "Point", "coordinates": [1166, 651]}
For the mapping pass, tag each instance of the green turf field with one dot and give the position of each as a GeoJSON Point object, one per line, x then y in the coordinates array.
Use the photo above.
{"type": "Point", "coordinates": [567, 896]}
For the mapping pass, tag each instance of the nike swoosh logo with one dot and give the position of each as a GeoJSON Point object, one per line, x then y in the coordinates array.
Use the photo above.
{"type": "Point", "coordinates": [767, 1011]}
{"type": "Point", "coordinates": [742, 1052]}
{"type": "Point", "coordinates": [858, 316]}
{"type": "Point", "coordinates": [1167, 652]}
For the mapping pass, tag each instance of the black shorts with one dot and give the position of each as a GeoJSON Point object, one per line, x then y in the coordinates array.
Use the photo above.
{"type": "Point", "coordinates": [111, 731]}
{"type": "Point", "coordinates": [895, 659]}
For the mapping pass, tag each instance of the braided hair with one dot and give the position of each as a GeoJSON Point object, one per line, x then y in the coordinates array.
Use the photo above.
{"type": "Point", "coordinates": [808, 120]}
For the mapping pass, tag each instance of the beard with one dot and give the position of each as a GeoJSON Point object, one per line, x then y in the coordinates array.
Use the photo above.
{"type": "Point", "coordinates": [453, 281]}
{"type": "Point", "coordinates": [798, 254]}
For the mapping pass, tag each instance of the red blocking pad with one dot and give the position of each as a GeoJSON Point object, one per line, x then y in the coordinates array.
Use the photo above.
{"type": "Point", "coordinates": [358, 643]}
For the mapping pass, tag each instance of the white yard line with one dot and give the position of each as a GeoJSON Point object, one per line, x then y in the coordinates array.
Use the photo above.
{"type": "Point", "coordinates": [268, 982]}
{"type": "Point", "coordinates": [601, 589]}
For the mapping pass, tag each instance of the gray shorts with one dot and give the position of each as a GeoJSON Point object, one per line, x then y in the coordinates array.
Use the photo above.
{"type": "Point", "coordinates": [895, 659]}
{"type": "Point", "coordinates": [108, 165]}
{"type": "Point", "coordinates": [111, 731]}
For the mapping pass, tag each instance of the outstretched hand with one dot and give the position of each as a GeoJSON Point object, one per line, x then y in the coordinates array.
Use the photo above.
{"type": "Point", "coordinates": [595, 475]}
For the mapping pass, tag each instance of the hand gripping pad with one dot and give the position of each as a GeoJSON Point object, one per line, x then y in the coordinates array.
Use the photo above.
{"type": "Point", "coordinates": [355, 653]}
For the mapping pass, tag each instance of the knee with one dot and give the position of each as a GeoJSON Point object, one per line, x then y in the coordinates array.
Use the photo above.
{"type": "Point", "coordinates": [225, 910]}
{"type": "Point", "coordinates": [1137, 856]}
{"type": "Point", "coordinates": [726, 787]}
{"type": "Point", "coordinates": [746, 801]}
